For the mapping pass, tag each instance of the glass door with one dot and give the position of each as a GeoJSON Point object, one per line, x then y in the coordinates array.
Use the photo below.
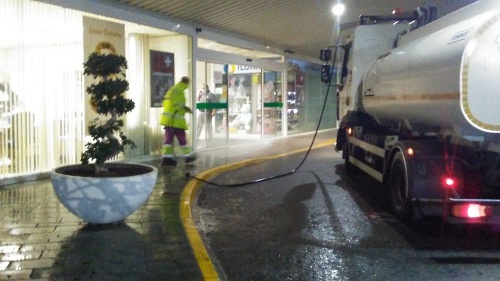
{"type": "Point", "coordinates": [272, 104]}
{"type": "Point", "coordinates": [244, 95]}
{"type": "Point", "coordinates": [211, 104]}
{"type": "Point", "coordinates": [255, 103]}
{"type": "Point", "coordinates": [236, 104]}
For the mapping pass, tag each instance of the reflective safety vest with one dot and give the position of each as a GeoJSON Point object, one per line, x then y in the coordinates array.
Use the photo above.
{"type": "Point", "coordinates": [173, 107]}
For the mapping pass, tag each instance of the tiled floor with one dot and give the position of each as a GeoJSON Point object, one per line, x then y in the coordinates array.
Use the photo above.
{"type": "Point", "coordinates": [41, 240]}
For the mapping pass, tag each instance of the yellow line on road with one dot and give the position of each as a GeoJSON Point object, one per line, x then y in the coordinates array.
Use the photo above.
{"type": "Point", "coordinates": [189, 195]}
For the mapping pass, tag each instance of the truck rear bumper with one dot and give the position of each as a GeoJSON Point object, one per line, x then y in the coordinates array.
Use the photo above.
{"type": "Point", "coordinates": [459, 211]}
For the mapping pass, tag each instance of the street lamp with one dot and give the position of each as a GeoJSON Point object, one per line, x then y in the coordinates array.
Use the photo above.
{"type": "Point", "coordinates": [338, 9]}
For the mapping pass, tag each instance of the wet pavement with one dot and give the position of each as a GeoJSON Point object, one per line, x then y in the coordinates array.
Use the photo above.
{"type": "Point", "coordinates": [41, 240]}
{"type": "Point", "coordinates": [321, 223]}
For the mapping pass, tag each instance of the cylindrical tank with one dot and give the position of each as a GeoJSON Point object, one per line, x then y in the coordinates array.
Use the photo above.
{"type": "Point", "coordinates": [445, 82]}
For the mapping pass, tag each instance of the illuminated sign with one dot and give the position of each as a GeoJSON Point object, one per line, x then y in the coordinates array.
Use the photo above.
{"type": "Point", "coordinates": [235, 69]}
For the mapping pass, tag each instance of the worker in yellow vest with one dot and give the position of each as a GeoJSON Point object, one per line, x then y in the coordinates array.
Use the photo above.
{"type": "Point", "coordinates": [174, 108]}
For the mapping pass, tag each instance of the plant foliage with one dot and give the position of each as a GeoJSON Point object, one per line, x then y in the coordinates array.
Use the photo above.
{"type": "Point", "coordinates": [108, 99]}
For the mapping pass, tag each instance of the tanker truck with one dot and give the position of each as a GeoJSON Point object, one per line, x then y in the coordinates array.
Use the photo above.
{"type": "Point", "coordinates": [419, 99]}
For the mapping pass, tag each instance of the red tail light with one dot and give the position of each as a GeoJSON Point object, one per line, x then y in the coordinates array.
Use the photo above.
{"type": "Point", "coordinates": [471, 211]}
{"type": "Point", "coordinates": [449, 182]}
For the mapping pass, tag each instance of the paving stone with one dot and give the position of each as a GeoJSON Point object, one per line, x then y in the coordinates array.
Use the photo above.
{"type": "Point", "coordinates": [30, 230]}
{"type": "Point", "coordinates": [13, 240]}
{"type": "Point", "coordinates": [6, 224]}
{"type": "Point", "coordinates": [48, 273]}
{"type": "Point", "coordinates": [29, 264]}
{"type": "Point", "coordinates": [15, 274]}
{"type": "Point", "coordinates": [9, 249]}
{"type": "Point", "coordinates": [48, 254]}
{"type": "Point", "coordinates": [41, 246]}
{"type": "Point", "coordinates": [21, 256]}
{"type": "Point", "coordinates": [50, 237]}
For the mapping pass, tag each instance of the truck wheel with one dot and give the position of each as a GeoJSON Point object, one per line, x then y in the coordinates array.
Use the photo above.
{"type": "Point", "coordinates": [398, 188]}
{"type": "Point", "coordinates": [345, 152]}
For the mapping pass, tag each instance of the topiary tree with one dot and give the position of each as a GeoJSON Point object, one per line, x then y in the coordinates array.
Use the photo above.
{"type": "Point", "coordinates": [107, 99]}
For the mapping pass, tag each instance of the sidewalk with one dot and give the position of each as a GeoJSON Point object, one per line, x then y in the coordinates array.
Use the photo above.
{"type": "Point", "coordinates": [41, 240]}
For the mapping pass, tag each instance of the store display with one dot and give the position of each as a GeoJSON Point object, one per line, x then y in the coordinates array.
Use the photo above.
{"type": "Point", "coordinates": [244, 118]}
{"type": "Point", "coordinates": [240, 100]}
{"type": "Point", "coordinates": [294, 95]}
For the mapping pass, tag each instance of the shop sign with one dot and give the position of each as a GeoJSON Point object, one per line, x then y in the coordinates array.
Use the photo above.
{"type": "Point", "coordinates": [162, 75]}
{"type": "Point", "coordinates": [237, 69]}
{"type": "Point", "coordinates": [103, 37]}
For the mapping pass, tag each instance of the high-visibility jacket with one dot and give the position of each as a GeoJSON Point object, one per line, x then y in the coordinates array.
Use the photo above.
{"type": "Point", "coordinates": [174, 109]}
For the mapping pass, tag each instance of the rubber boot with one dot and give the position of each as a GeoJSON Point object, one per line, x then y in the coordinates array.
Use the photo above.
{"type": "Point", "coordinates": [188, 154]}
{"type": "Point", "coordinates": [167, 157]}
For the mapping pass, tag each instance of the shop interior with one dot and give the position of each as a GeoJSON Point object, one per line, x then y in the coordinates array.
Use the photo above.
{"type": "Point", "coordinates": [248, 103]}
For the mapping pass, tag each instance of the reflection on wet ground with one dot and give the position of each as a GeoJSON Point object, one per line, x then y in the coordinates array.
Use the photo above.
{"type": "Point", "coordinates": [324, 224]}
{"type": "Point", "coordinates": [42, 240]}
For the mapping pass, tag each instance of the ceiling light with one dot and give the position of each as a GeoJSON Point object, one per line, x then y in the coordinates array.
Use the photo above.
{"type": "Point", "coordinates": [338, 9]}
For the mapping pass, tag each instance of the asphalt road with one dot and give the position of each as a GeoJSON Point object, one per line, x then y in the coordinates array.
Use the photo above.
{"type": "Point", "coordinates": [320, 223]}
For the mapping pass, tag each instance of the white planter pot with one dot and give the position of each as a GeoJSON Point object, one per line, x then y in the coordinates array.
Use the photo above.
{"type": "Point", "coordinates": [105, 199]}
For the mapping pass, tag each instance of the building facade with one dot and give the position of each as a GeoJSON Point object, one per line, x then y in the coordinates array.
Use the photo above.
{"type": "Point", "coordinates": [257, 92]}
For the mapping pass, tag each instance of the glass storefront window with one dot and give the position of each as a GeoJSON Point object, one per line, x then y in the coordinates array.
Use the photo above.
{"type": "Point", "coordinates": [42, 93]}
{"type": "Point", "coordinates": [248, 103]}
{"type": "Point", "coordinates": [305, 94]}
{"type": "Point", "coordinates": [43, 101]}
{"type": "Point", "coordinates": [242, 94]}
{"type": "Point", "coordinates": [211, 104]}
{"type": "Point", "coordinates": [273, 104]}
